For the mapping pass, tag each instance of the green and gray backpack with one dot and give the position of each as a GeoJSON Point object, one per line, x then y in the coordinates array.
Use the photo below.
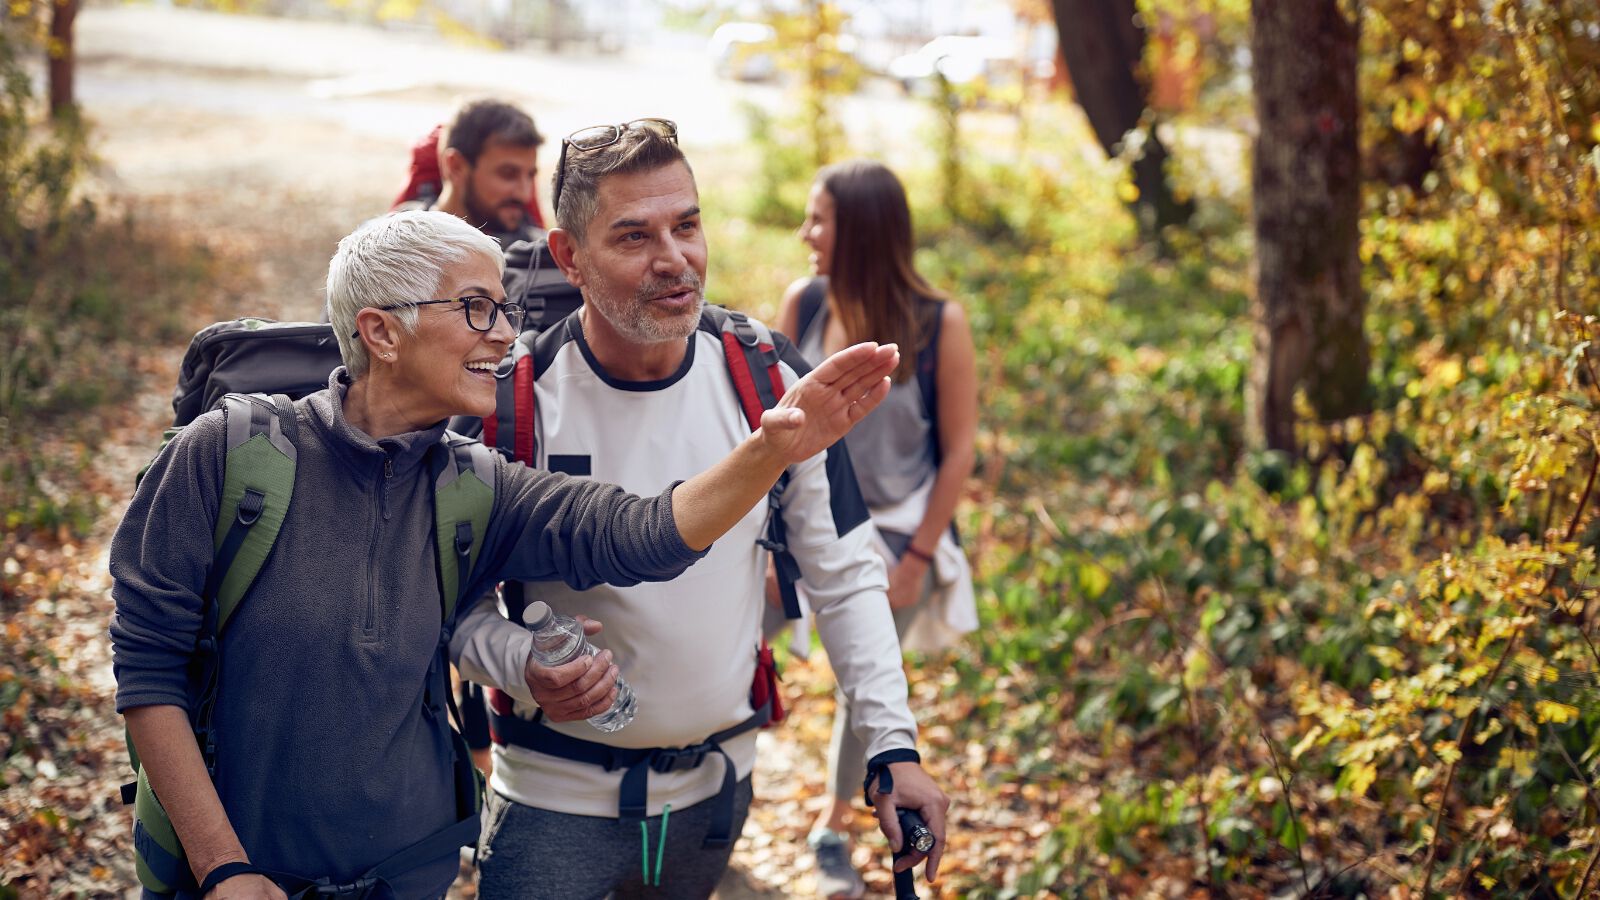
{"type": "Point", "coordinates": [258, 485]}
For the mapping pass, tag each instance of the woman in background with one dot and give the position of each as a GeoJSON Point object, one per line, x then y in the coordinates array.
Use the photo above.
{"type": "Point", "coordinates": [912, 456]}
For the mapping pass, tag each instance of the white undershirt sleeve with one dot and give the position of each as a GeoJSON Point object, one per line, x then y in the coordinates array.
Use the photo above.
{"type": "Point", "coordinates": [490, 649]}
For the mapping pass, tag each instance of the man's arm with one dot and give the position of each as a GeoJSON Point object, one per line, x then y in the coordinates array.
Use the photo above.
{"type": "Point", "coordinates": [831, 537]}
{"type": "Point", "coordinates": [493, 651]}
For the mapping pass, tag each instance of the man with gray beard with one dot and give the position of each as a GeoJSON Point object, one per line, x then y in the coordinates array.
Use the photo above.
{"type": "Point", "coordinates": [634, 388]}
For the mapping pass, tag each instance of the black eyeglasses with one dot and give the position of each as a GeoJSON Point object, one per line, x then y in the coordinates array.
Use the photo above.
{"type": "Point", "coordinates": [481, 311]}
{"type": "Point", "coordinates": [587, 140]}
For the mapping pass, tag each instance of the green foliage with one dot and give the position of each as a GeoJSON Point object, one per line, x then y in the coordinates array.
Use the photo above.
{"type": "Point", "coordinates": [1278, 672]}
{"type": "Point", "coordinates": [795, 144]}
{"type": "Point", "coordinates": [1409, 613]}
{"type": "Point", "coordinates": [80, 297]}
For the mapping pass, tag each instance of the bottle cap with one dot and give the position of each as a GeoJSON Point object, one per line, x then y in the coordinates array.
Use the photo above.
{"type": "Point", "coordinates": [537, 615]}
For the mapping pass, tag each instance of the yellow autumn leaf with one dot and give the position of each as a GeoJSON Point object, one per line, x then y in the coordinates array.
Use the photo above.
{"type": "Point", "coordinates": [1361, 777]}
{"type": "Point", "coordinates": [1306, 742]}
{"type": "Point", "coordinates": [1519, 761]}
{"type": "Point", "coordinates": [1551, 711]}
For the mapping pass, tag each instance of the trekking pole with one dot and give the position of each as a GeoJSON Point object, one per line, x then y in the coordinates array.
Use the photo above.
{"type": "Point", "coordinates": [914, 836]}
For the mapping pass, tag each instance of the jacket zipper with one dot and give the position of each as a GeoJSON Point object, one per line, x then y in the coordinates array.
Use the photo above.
{"type": "Point", "coordinates": [377, 529]}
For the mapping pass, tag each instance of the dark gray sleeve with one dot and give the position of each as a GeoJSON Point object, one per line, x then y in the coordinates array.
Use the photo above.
{"type": "Point", "coordinates": [160, 556]}
{"type": "Point", "coordinates": [549, 526]}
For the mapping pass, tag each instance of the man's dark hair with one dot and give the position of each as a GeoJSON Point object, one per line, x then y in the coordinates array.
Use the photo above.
{"type": "Point", "coordinates": [638, 150]}
{"type": "Point", "coordinates": [479, 121]}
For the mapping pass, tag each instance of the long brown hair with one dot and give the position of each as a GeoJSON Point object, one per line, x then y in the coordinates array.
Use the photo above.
{"type": "Point", "coordinates": [876, 289]}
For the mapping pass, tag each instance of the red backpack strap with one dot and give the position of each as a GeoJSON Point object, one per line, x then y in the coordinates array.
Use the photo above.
{"type": "Point", "coordinates": [510, 429]}
{"type": "Point", "coordinates": [752, 358]}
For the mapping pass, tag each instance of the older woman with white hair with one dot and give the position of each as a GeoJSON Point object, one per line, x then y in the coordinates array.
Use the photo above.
{"type": "Point", "coordinates": [328, 762]}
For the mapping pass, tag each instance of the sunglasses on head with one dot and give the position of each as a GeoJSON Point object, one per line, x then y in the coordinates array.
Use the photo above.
{"type": "Point", "coordinates": [595, 137]}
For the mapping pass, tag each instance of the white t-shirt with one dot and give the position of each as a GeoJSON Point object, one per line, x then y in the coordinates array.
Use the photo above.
{"type": "Point", "coordinates": [688, 647]}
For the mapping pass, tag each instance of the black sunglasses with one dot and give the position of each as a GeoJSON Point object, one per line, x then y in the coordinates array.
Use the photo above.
{"type": "Point", "coordinates": [481, 311]}
{"type": "Point", "coordinates": [587, 140]}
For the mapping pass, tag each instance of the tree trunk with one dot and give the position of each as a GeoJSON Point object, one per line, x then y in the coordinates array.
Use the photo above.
{"type": "Point", "coordinates": [1309, 303]}
{"type": "Point", "coordinates": [63, 97]}
{"type": "Point", "coordinates": [1102, 43]}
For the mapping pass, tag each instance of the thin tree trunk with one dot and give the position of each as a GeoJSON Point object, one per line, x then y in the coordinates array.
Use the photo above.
{"type": "Point", "coordinates": [63, 96]}
{"type": "Point", "coordinates": [1102, 43]}
{"type": "Point", "coordinates": [1309, 302]}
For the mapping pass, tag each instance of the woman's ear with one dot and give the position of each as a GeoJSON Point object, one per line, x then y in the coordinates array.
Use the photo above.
{"type": "Point", "coordinates": [379, 333]}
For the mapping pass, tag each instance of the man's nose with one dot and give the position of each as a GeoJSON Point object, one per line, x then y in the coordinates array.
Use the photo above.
{"type": "Point", "coordinates": [669, 259]}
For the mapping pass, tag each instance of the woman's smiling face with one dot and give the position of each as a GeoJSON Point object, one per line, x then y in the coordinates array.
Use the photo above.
{"type": "Point", "coordinates": [446, 368]}
{"type": "Point", "coordinates": [818, 230]}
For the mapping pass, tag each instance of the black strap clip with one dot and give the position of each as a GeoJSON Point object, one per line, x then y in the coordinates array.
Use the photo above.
{"type": "Point", "coordinates": [463, 540]}
{"type": "Point", "coordinates": [743, 330]}
{"type": "Point", "coordinates": [679, 759]}
{"type": "Point", "coordinates": [357, 888]}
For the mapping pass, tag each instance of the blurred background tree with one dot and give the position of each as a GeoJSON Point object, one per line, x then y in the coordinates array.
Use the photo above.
{"type": "Point", "coordinates": [1103, 43]}
{"type": "Point", "coordinates": [1311, 306]}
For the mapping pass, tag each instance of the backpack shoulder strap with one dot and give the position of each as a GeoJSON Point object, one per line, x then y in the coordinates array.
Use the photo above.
{"type": "Point", "coordinates": [752, 359]}
{"type": "Point", "coordinates": [813, 297]}
{"type": "Point", "coordinates": [751, 355]}
{"type": "Point", "coordinates": [463, 498]}
{"type": "Point", "coordinates": [928, 373]}
{"type": "Point", "coordinates": [257, 485]}
{"type": "Point", "coordinates": [511, 429]}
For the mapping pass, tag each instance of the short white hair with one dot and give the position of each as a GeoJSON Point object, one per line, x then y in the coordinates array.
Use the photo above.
{"type": "Point", "coordinates": [394, 259]}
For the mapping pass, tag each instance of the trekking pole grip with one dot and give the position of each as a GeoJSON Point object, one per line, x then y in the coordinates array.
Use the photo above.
{"type": "Point", "coordinates": [915, 836]}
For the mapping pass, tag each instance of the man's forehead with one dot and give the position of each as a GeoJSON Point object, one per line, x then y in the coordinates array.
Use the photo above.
{"type": "Point", "coordinates": [668, 191]}
{"type": "Point", "coordinates": [498, 150]}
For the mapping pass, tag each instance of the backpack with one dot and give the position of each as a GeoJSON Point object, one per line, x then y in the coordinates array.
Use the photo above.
{"type": "Point", "coordinates": [533, 279]}
{"type": "Point", "coordinates": [252, 355]}
{"type": "Point", "coordinates": [258, 484]}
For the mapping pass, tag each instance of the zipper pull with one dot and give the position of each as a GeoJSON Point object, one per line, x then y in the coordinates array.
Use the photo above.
{"type": "Point", "coordinates": [388, 467]}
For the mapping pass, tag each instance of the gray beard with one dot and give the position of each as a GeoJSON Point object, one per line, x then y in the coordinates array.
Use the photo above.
{"type": "Point", "coordinates": [632, 318]}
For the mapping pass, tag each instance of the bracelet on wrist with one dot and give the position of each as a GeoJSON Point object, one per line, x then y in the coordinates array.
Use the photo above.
{"type": "Point", "coordinates": [911, 550]}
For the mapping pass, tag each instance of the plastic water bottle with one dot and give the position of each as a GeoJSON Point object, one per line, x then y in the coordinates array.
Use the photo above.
{"type": "Point", "coordinates": [560, 639]}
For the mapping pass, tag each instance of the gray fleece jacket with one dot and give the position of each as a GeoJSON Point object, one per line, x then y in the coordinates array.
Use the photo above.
{"type": "Point", "coordinates": [333, 751]}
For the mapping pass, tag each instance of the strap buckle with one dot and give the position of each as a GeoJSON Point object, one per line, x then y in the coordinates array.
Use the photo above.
{"type": "Point", "coordinates": [357, 888]}
{"type": "Point", "coordinates": [679, 759]}
{"type": "Point", "coordinates": [743, 330]}
{"type": "Point", "coordinates": [250, 506]}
